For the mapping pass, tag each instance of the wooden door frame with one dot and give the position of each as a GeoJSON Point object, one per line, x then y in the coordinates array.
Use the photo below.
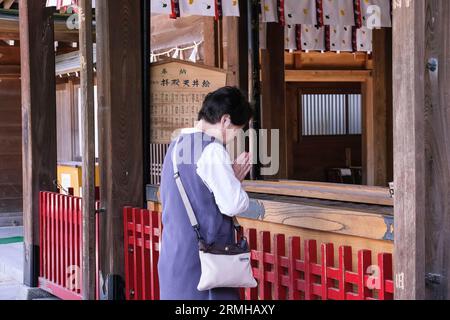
{"type": "Point", "coordinates": [369, 139]}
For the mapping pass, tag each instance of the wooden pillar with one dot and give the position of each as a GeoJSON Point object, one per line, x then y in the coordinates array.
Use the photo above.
{"type": "Point", "coordinates": [88, 147]}
{"type": "Point", "coordinates": [119, 76]}
{"type": "Point", "coordinates": [235, 43]}
{"type": "Point", "coordinates": [378, 104]}
{"type": "Point", "coordinates": [437, 149]}
{"type": "Point", "coordinates": [409, 148]}
{"type": "Point", "coordinates": [38, 122]}
{"type": "Point", "coordinates": [369, 137]}
{"type": "Point", "coordinates": [210, 41]}
{"type": "Point", "coordinates": [231, 49]}
{"type": "Point", "coordinates": [273, 90]}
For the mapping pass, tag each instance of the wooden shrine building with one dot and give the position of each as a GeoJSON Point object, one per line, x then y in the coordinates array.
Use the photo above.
{"type": "Point", "coordinates": [87, 107]}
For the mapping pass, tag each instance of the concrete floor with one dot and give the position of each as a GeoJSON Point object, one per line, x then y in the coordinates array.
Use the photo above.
{"type": "Point", "coordinates": [11, 255]}
{"type": "Point", "coordinates": [10, 290]}
{"type": "Point", "coordinates": [11, 265]}
{"type": "Point", "coordinates": [11, 270]}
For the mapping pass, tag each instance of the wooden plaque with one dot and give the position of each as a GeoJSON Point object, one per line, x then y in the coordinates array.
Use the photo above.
{"type": "Point", "coordinates": [178, 89]}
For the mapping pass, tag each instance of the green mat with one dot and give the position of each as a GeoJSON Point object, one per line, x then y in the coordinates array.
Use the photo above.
{"type": "Point", "coordinates": [11, 240]}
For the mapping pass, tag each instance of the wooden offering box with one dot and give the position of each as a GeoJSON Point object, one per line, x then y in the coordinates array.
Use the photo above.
{"type": "Point", "coordinates": [345, 215]}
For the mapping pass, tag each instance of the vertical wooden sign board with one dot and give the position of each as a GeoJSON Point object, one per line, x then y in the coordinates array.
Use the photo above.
{"type": "Point", "coordinates": [178, 89]}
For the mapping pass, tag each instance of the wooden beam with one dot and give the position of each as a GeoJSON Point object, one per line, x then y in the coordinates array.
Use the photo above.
{"type": "Point", "coordinates": [327, 75]}
{"type": "Point", "coordinates": [38, 120]}
{"type": "Point", "coordinates": [9, 30]}
{"type": "Point", "coordinates": [321, 190]}
{"type": "Point", "coordinates": [327, 60]}
{"type": "Point", "coordinates": [119, 76]}
{"type": "Point", "coordinates": [409, 148]}
{"type": "Point", "coordinates": [88, 147]}
{"type": "Point", "coordinates": [9, 71]}
{"type": "Point", "coordinates": [9, 55]}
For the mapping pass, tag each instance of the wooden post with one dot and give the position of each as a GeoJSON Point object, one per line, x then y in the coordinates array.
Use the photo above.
{"type": "Point", "coordinates": [231, 50]}
{"type": "Point", "coordinates": [437, 149]}
{"type": "Point", "coordinates": [235, 42]}
{"type": "Point", "coordinates": [254, 80]}
{"type": "Point", "coordinates": [378, 104]}
{"type": "Point", "coordinates": [273, 90]}
{"type": "Point", "coordinates": [409, 148]}
{"type": "Point", "coordinates": [88, 147]}
{"type": "Point", "coordinates": [119, 76]}
{"type": "Point", "coordinates": [38, 122]}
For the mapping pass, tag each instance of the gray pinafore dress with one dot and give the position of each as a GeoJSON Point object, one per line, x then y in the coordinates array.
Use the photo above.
{"type": "Point", "coordinates": [179, 263]}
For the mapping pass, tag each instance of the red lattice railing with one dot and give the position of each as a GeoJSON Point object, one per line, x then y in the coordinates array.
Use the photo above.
{"type": "Point", "coordinates": [285, 270]}
{"type": "Point", "coordinates": [60, 237]}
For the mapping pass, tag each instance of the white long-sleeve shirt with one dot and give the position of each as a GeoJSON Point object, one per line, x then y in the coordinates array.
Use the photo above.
{"type": "Point", "coordinates": [214, 167]}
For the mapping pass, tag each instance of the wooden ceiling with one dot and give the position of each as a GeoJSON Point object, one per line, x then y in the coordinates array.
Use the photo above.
{"type": "Point", "coordinates": [9, 29]}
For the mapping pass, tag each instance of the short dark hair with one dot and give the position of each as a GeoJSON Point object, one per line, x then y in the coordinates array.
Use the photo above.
{"type": "Point", "coordinates": [226, 100]}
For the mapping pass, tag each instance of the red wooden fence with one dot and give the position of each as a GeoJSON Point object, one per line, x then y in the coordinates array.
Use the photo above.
{"type": "Point", "coordinates": [60, 237]}
{"type": "Point", "coordinates": [297, 273]}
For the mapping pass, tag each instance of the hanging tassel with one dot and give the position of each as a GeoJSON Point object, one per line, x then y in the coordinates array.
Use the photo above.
{"type": "Point", "coordinates": [176, 54]}
{"type": "Point", "coordinates": [194, 54]}
{"type": "Point", "coordinates": [181, 57]}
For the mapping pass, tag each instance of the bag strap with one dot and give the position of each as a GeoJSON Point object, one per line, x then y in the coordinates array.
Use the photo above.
{"type": "Point", "coordinates": [187, 204]}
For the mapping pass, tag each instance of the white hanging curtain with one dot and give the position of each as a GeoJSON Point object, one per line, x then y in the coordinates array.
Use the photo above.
{"type": "Point", "coordinates": [341, 38]}
{"type": "Point", "coordinates": [290, 37]}
{"type": "Point", "coordinates": [161, 7]}
{"type": "Point", "coordinates": [364, 39]}
{"type": "Point", "coordinates": [300, 12]}
{"type": "Point", "coordinates": [269, 10]}
{"type": "Point", "coordinates": [197, 7]}
{"type": "Point", "coordinates": [338, 12]}
{"type": "Point", "coordinates": [262, 34]}
{"type": "Point", "coordinates": [230, 8]}
{"type": "Point", "coordinates": [312, 38]}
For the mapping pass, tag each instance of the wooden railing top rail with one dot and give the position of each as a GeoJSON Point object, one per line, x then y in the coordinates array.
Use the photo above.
{"type": "Point", "coordinates": [326, 191]}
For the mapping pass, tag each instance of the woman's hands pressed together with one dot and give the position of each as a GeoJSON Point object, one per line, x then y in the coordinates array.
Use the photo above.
{"type": "Point", "coordinates": [242, 166]}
